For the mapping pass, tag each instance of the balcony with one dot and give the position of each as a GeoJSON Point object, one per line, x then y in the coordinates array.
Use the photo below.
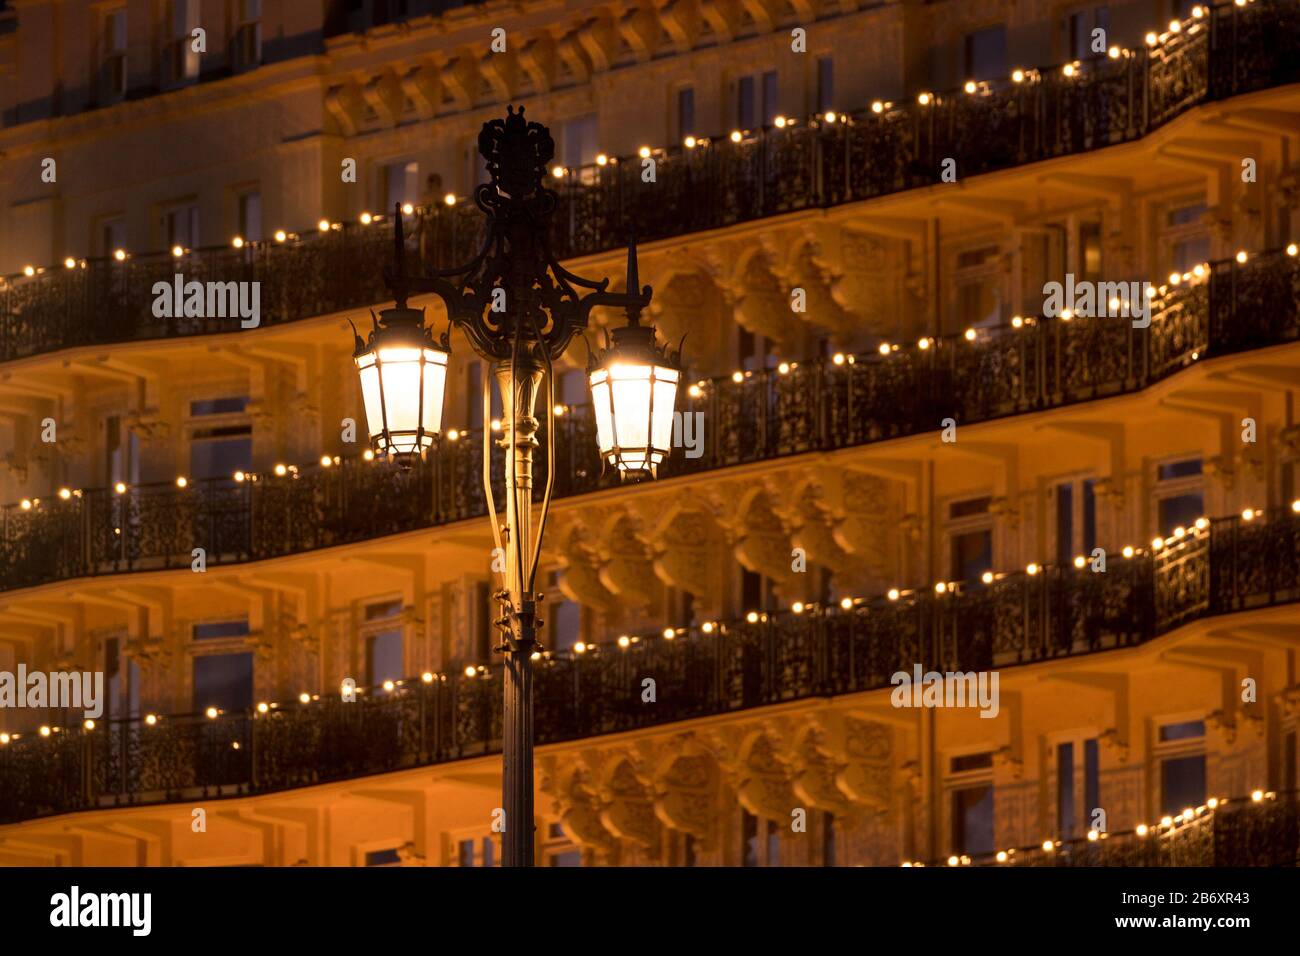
{"type": "Point", "coordinates": [720, 182]}
{"type": "Point", "coordinates": [818, 406]}
{"type": "Point", "coordinates": [1262, 829]}
{"type": "Point", "coordinates": [1040, 614]}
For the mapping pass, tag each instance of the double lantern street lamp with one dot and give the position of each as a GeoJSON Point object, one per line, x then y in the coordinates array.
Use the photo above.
{"type": "Point", "coordinates": [520, 309]}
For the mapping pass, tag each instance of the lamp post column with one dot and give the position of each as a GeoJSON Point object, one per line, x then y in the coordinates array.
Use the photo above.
{"type": "Point", "coordinates": [518, 381]}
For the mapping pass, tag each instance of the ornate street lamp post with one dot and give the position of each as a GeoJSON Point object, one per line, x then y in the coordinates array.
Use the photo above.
{"type": "Point", "coordinates": [520, 310]}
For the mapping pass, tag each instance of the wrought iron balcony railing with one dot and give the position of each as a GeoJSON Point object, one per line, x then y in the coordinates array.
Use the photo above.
{"type": "Point", "coordinates": [821, 405]}
{"type": "Point", "coordinates": [714, 668]}
{"type": "Point", "coordinates": [1262, 829]}
{"type": "Point", "coordinates": [720, 182]}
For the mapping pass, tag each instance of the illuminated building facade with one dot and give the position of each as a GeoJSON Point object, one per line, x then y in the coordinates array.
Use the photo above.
{"type": "Point", "coordinates": [890, 456]}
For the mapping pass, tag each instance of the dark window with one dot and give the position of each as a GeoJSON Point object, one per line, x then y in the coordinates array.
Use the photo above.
{"type": "Point", "coordinates": [1065, 812]}
{"type": "Point", "coordinates": [685, 113]}
{"type": "Point", "coordinates": [749, 837]}
{"type": "Point", "coordinates": [986, 54]}
{"type": "Point", "coordinates": [383, 609]}
{"type": "Point", "coordinates": [1180, 511]}
{"type": "Point", "coordinates": [972, 820]}
{"type": "Point", "coordinates": [773, 844]}
{"type": "Point", "coordinates": [688, 849]}
{"type": "Point", "coordinates": [771, 98]}
{"type": "Point", "coordinates": [1186, 468]}
{"type": "Point", "coordinates": [213, 456]}
{"type": "Point", "coordinates": [969, 507]}
{"type": "Point", "coordinates": [1187, 730]}
{"type": "Point", "coordinates": [1064, 523]}
{"type": "Point", "coordinates": [825, 84]}
{"type": "Point", "coordinates": [215, 629]}
{"type": "Point", "coordinates": [1089, 516]}
{"type": "Point", "coordinates": [982, 761]}
{"type": "Point", "coordinates": [250, 216]}
{"type": "Point", "coordinates": [1090, 253]}
{"type": "Point", "coordinates": [828, 839]}
{"type": "Point", "coordinates": [567, 858]}
{"type": "Point", "coordinates": [972, 554]}
{"type": "Point", "coordinates": [1182, 783]}
{"type": "Point", "coordinates": [232, 404]}
{"type": "Point", "coordinates": [383, 857]}
{"type": "Point", "coordinates": [1079, 26]}
{"type": "Point", "coordinates": [1091, 778]}
{"type": "Point", "coordinates": [384, 657]}
{"type": "Point", "coordinates": [224, 681]}
{"type": "Point", "coordinates": [465, 853]}
{"type": "Point", "coordinates": [745, 102]}
{"type": "Point", "coordinates": [489, 852]}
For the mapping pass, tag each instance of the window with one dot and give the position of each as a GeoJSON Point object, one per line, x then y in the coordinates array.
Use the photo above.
{"type": "Point", "coordinates": [970, 538]}
{"type": "Point", "coordinates": [825, 84]}
{"type": "Point", "coordinates": [476, 171]}
{"type": "Point", "coordinates": [1184, 240]}
{"type": "Point", "coordinates": [1089, 265]}
{"type": "Point", "coordinates": [465, 853]}
{"type": "Point", "coordinates": [112, 235]}
{"type": "Point", "coordinates": [112, 55]}
{"type": "Point", "coordinates": [180, 62]}
{"type": "Point", "coordinates": [828, 838]}
{"type": "Point", "coordinates": [756, 592]}
{"type": "Point", "coordinates": [401, 183]}
{"type": "Point", "coordinates": [762, 840]}
{"type": "Point", "coordinates": [180, 225]}
{"type": "Point", "coordinates": [753, 351]}
{"type": "Point", "coordinates": [756, 100]}
{"type": "Point", "coordinates": [250, 216]}
{"type": "Point", "coordinates": [1180, 499]}
{"type": "Point", "coordinates": [224, 681]}
{"type": "Point", "coordinates": [213, 630]}
{"type": "Point", "coordinates": [122, 675]}
{"type": "Point", "coordinates": [986, 54]}
{"type": "Point", "coordinates": [1180, 751]}
{"type": "Point", "coordinates": [971, 787]}
{"type": "Point", "coordinates": [246, 50]}
{"type": "Point", "coordinates": [977, 284]}
{"type": "Point", "coordinates": [383, 642]}
{"type": "Point", "coordinates": [685, 113]}
{"type": "Point", "coordinates": [1078, 31]}
{"type": "Point", "coordinates": [1076, 519]}
{"type": "Point", "coordinates": [564, 618]}
{"type": "Point", "coordinates": [389, 857]}
{"type": "Point", "coordinates": [1077, 763]}
{"type": "Point", "coordinates": [220, 447]}
{"type": "Point", "coordinates": [121, 452]}
{"type": "Point", "coordinates": [578, 139]}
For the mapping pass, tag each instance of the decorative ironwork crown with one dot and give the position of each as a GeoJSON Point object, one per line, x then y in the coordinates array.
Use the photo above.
{"type": "Point", "coordinates": [518, 154]}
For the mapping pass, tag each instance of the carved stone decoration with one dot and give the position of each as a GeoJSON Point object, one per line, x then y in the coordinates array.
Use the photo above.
{"type": "Point", "coordinates": [628, 809]}
{"type": "Point", "coordinates": [1007, 763]}
{"type": "Point", "coordinates": [581, 581]}
{"type": "Point", "coordinates": [1222, 724]}
{"type": "Point", "coordinates": [149, 652]}
{"type": "Point", "coordinates": [1219, 467]}
{"type": "Point", "coordinates": [868, 286]}
{"type": "Point", "coordinates": [568, 781]}
{"type": "Point", "coordinates": [761, 779]}
{"type": "Point", "coordinates": [628, 570]}
{"type": "Point", "coordinates": [816, 779]}
{"type": "Point", "coordinates": [816, 532]}
{"type": "Point", "coordinates": [810, 271]}
{"type": "Point", "coordinates": [685, 787]}
{"type": "Point", "coordinates": [762, 543]}
{"type": "Point", "coordinates": [537, 60]}
{"type": "Point", "coordinates": [1288, 443]}
{"type": "Point", "coordinates": [685, 551]}
{"type": "Point", "coordinates": [1117, 748]}
{"type": "Point", "coordinates": [1111, 491]}
{"type": "Point", "coordinates": [680, 21]}
{"type": "Point", "coordinates": [864, 750]}
{"type": "Point", "coordinates": [762, 303]}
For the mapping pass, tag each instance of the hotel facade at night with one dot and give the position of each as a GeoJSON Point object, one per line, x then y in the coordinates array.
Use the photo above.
{"type": "Point", "coordinates": [894, 457]}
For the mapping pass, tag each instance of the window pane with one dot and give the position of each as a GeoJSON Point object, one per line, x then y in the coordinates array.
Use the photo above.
{"type": "Point", "coordinates": [1182, 783]}
{"type": "Point", "coordinates": [222, 458]}
{"type": "Point", "coordinates": [972, 820]}
{"type": "Point", "coordinates": [1178, 469]}
{"type": "Point", "coordinates": [986, 54]}
{"type": "Point", "coordinates": [745, 102]}
{"type": "Point", "coordinates": [224, 681]}
{"type": "Point", "coordinates": [825, 84]}
{"type": "Point", "coordinates": [384, 657]}
{"type": "Point", "coordinates": [1180, 511]}
{"type": "Point", "coordinates": [685, 113]}
{"type": "Point", "coordinates": [1064, 523]}
{"type": "Point", "coordinates": [215, 629]}
{"type": "Point", "coordinates": [1065, 812]}
{"type": "Point", "coordinates": [1091, 778]}
{"type": "Point", "coordinates": [972, 554]}
{"type": "Point", "coordinates": [1187, 730]}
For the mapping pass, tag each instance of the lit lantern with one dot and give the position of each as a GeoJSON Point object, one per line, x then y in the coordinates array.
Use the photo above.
{"type": "Point", "coordinates": [634, 393]}
{"type": "Point", "coordinates": [403, 378]}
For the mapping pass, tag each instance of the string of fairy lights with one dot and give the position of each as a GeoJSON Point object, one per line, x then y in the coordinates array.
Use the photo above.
{"type": "Point", "coordinates": [1198, 274]}
{"type": "Point", "coordinates": [848, 604]}
{"type": "Point", "coordinates": [1167, 825]}
{"type": "Point", "coordinates": [1154, 41]}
